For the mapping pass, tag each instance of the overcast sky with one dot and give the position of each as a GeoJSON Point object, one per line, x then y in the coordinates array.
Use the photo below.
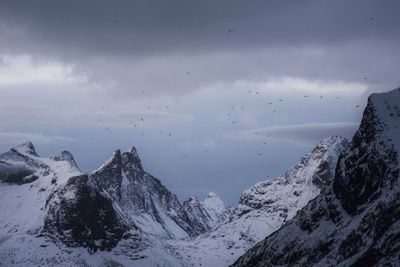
{"type": "Point", "coordinates": [189, 83]}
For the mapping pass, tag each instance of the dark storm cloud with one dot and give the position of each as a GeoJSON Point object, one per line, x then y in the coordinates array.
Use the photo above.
{"type": "Point", "coordinates": [153, 27]}
{"type": "Point", "coordinates": [175, 47]}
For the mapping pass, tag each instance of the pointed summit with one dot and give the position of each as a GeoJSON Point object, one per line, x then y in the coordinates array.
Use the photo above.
{"type": "Point", "coordinates": [108, 177]}
{"type": "Point", "coordinates": [26, 148]}
{"type": "Point", "coordinates": [132, 158]}
{"type": "Point", "coordinates": [66, 156]}
{"type": "Point", "coordinates": [211, 195]}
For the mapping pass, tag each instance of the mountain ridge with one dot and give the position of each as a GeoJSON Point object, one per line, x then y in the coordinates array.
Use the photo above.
{"type": "Point", "coordinates": [355, 221]}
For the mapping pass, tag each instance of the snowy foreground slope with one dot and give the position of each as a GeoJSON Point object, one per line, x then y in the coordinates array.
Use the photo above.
{"type": "Point", "coordinates": [355, 221]}
{"type": "Point", "coordinates": [264, 207]}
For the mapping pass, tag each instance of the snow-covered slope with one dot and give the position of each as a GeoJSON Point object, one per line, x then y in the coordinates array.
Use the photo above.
{"type": "Point", "coordinates": [264, 207]}
{"type": "Point", "coordinates": [355, 221]}
{"type": "Point", "coordinates": [28, 180]}
{"type": "Point", "coordinates": [209, 213]}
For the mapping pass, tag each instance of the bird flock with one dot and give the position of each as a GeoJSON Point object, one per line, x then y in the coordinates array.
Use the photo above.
{"type": "Point", "coordinates": [233, 108]}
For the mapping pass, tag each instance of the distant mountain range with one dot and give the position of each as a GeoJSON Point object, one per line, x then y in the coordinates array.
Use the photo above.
{"type": "Point", "coordinates": [338, 206]}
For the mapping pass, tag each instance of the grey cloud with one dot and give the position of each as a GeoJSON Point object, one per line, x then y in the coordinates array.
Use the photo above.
{"type": "Point", "coordinates": [309, 132]}
{"type": "Point", "coordinates": [132, 27]}
{"type": "Point", "coordinates": [14, 115]}
{"type": "Point", "coordinates": [19, 137]}
{"type": "Point", "coordinates": [133, 45]}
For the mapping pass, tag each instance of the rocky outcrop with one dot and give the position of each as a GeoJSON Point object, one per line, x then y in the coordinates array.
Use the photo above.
{"type": "Point", "coordinates": [80, 216]}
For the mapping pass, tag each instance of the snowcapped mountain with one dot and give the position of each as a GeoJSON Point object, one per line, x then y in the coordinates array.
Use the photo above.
{"type": "Point", "coordinates": [28, 180]}
{"type": "Point", "coordinates": [54, 214]}
{"type": "Point", "coordinates": [209, 213]}
{"type": "Point", "coordinates": [264, 207]}
{"type": "Point", "coordinates": [142, 197]}
{"type": "Point", "coordinates": [355, 220]}
{"type": "Point", "coordinates": [75, 218]}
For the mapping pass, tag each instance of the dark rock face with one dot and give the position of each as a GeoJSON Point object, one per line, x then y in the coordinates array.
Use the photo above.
{"type": "Point", "coordinates": [80, 216]}
{"type": "Point", "coordinates": [108, 177]}
{"type": "Point", "coordinates": [356, 219]}
{"type": "Point", "coordinates": [368, 167]}
{"type": "Point", "coordinates": [197, 214]}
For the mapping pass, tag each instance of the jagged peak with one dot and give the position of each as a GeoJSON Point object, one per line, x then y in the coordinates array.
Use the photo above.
{"type": "Point", "coordinates": [330, 141]}
{"type": "Point", "coordinates": [386, 108]}
{"type": "Point", "coordinates": [133, 151]}
{"type": "Point", "coordinates": [66, 156]}
{"type": "Point", "coordinates": [114, 158]}
{"type": "Point", "coordinates": [26, 148]}
{"type": "Point", "coordinates": [212, 195]}
{"type": "Point", "coordinates": [132, 157]}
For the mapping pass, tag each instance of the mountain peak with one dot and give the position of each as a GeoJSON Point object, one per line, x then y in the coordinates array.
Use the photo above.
{"type": "Point", "coordinates": [133, 151]}
{"type": "Point", "coordinates": [66, 156]}
{"type": "Point", "coordinates": [26, 148]}
{"type": "Point", "coordinates": [114, 158]}
{"type": "Point", "coordinates": [132, 157]}
{"type": "Point", "coordinates": [212, 195]}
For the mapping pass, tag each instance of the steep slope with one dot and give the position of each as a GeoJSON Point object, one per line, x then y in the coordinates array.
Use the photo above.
{"type": "Point", "coordinates": [355, 221]}
{"type": "Point", "coordinates": [264, 207]}
{"type": "Point", "coordinates": [28, 181]}
{"type": "Point", "coordinates": [142, 197]}
{"type": "Point", "coordinates": [209, 213]}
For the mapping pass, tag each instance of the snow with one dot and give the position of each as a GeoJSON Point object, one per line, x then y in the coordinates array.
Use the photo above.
{"type": "Point", "coordinates": [263, 209]}
{"type": "Point", "coordinates": [23, 206]}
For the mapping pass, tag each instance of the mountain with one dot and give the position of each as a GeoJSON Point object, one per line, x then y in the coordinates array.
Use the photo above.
{"type": "Point", "coordinates": [54, 214]}
{"type": "Point", "coordinates": [264, 207]}
{"type": "Point", "coordinates": [142, 198]}
{"type": "Point", "coordinates": [49, 209]}
{"type": "Point", "coordinates": [355, 221]}
{"type": "Point", "coordinates": [209, 213]}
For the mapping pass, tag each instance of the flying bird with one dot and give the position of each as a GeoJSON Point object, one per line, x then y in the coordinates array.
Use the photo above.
{"type": "Point", "coordinates": [230, 30]}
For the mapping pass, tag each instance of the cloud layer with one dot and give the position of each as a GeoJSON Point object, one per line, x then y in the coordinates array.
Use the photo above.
{"type": "Point", "coordinates": [309, 132]}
